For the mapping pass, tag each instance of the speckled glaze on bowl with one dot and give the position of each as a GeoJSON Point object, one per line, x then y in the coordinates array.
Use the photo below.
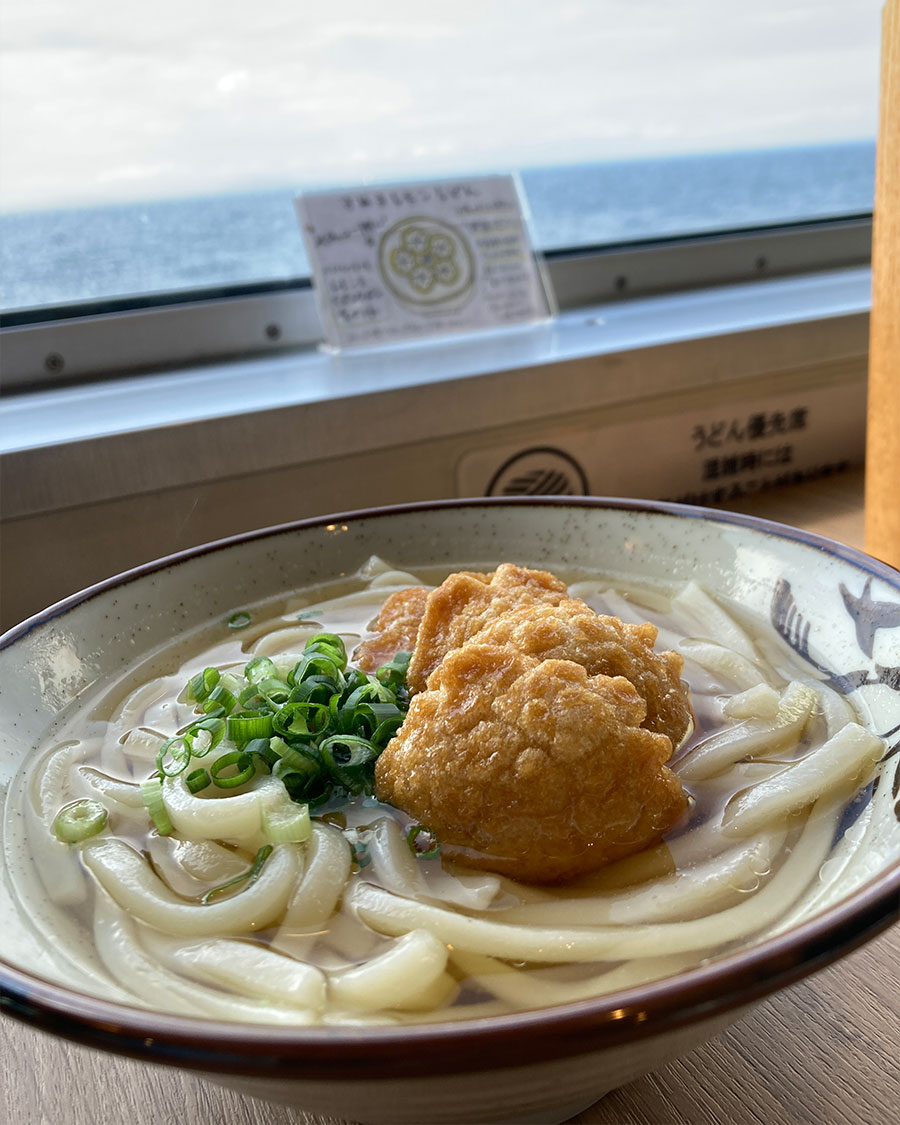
{"type": "Point", "coordinates": [838, 608]}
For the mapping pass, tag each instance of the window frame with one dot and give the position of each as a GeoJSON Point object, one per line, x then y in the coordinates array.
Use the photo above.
{"type": "Point", "coordinates": [102, 340]}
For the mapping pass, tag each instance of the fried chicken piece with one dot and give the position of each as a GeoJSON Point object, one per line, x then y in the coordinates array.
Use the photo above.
{"type": "Point", "coordinates": [571, 630]}
{"type": "Point", "coordinates": [465, 602]}
{"type": "Point", "coordinates": [531, 768]}
{"type": "Point", "coordinates": [395, 628]}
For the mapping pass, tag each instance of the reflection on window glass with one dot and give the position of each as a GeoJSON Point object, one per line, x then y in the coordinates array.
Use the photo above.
{"type": "Point", "coordinates": [143, 156]}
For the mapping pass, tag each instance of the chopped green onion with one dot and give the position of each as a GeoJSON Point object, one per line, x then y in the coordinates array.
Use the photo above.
{"type": "Point", "coordinates": [249, 877]}
{"type": "Point", "coordinates": [314, 663]}
{"type": "Point", "coordinates": [423, 842]}
{"type": "Point", "coordinates": [394, 673]}
{"type": "Point", "coordinates": [267, 692]}
{"type": "Point", "coordinates": [369, 692]}
{"type": "Point", "coordinates": [202, 684]}
{"type": "Point", "coordinates": [347, 752]}
{"type": "Point", "coordinates": [383, 711]}
{"type": "Point", "coordinates": [247, 725]}
{"type": "Point", "coordinates": [344, 757]}
{"type": "Point", "coordinates": [385, 731]}
{"type": "Point", "coordinates": [151, 795]}
{"type": "Point", "coordinates": [204, 735]}
{"type": "Point", "coordinates": [297, 759]}
{"type": "Point", "coordinates": [335, 718]}
{"type": "Point", "coordinates": [79, 821]}
{"type": "Point", "coordinates": [239, 620]}
{"type": "Point", "coordinates": [194, 741]}
{"type": "Point", "coordinates": [286, 824]}
{"type": "Point", "coordinates": [300, 720]}
{"type": "Point", "coordinates": [221, 700]}
{"type": "Point", "coordinates": [179, 749]}
{"type": "Point", "coordinates": [259, 668]}
{"type": "Point", "coordinates": [312, 791]}
{"type": "Point", "coordinates": [197, 780]}
{"type": "Point", "coordinates": [250, 699]}
{"type": "Point", "coordinates": [316, 689]}
{"type": "Point", "coordinates": [329, 644]}
{"type": "Point", "coordinates": [261, 748]}
{"type": "Point", "coordinates": [318, 726]}
{"type": "Point", "coordinates": [242, 761]}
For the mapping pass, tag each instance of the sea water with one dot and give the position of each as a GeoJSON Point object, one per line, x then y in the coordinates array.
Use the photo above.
{"type": "Point", "coordinates": [163, 246]}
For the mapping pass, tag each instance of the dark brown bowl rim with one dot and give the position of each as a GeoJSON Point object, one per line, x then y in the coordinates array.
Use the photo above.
{"type": "Point", "coordinates": [350, 1053]}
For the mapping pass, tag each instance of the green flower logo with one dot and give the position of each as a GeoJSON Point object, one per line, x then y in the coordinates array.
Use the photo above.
{"type": "Point", "coordinates": [426, 262]}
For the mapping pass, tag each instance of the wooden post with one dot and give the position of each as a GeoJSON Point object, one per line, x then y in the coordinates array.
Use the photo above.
{"type": "Point", "coordinates": [883, 426]}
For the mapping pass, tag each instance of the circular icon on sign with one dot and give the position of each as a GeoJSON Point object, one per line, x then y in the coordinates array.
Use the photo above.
{"type": "Point", "coordinates": [540, 471]}
{"type": "Point", "coordinates": [426, 263]}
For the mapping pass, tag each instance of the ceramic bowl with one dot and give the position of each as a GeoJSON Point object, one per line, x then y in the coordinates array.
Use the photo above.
{"type": "Point", "coordinates": [837, 606]}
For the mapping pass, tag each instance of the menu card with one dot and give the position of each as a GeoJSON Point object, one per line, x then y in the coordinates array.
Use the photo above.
{"type": "Point", "coordinates": [406, 261]}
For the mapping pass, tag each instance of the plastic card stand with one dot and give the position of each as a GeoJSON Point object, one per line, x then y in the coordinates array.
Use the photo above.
{"type": "Point", "coordinates": [402, 262]}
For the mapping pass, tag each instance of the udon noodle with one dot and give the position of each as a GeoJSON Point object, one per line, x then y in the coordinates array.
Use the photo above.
{"type": "Point", "coordinates": [352, 926]}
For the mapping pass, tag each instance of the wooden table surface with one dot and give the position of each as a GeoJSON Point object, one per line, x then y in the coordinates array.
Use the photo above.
{"type": "Point", "coordinates": [824, 1051]}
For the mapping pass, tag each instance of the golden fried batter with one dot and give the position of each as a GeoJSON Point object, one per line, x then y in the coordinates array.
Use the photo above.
{"type": "Point", "coordinates": [395, 628]}
{"type": "Point", "coordinates": [466, 602]}
{"type": "Point", "coordinates": [571, 630]}
{"type": "Point", "coordinates": [530, 767]}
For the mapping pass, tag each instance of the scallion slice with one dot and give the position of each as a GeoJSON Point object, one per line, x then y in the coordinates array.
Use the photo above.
{"type": "Point", "coordinates": [243, 764]}
{"type": "Point", "coordinates": [286, 823]}
{"type": "Point", "coordinates": [221, 700]}
{"type": "Point", "coordinates": [173, 756]}
{"type": "Point", "coordinates": [79, 821]}
{"type": "Point", "coordinates": [301, 720]}
{"type": "Point", "coordinates": [329, 643]}
{"type": "Point", "coordinates": [423, 842]}
{"type": "Point", "coordinates": [316, 689]}
{"type": "Point", "coordinates": [204, 735]}
{"type": "Point", "coordinates": [239, 620]}
{"type": "Point", "coordinates": [268, 691]}
{"type": "Point", "coordinates": [247, 725]}
{"type": "Point", "coordinates": [345, 756]}
{"type": "Point", "coordinates": [202, 684]}
{"type": "Point", "coordinates": [344, 752]}
{"type": "Point", "coordinates": [393, 674]}
{"type": "Point", "coordinates": [312, 663]}
{"type": "Point", "coordinates": [385, 731]}
{"type": "Point", "coordinates": [151, 794]}
{"type": "Point", "coordinates": [369, 693]}
{"type": "Point", "coordinates": [261, 748]}
{"type": "Point", "coordinates": [356, 678]}
{"type": "Point", "coordinates": [259, 668]}
{"type": "Point", "coordinates": [295, 759]}
{"type": "Point", "coordinates": [197, 780]}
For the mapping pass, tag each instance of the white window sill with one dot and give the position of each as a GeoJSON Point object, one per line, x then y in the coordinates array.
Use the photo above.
{"type": "Point", "coordinates": [76, 445]}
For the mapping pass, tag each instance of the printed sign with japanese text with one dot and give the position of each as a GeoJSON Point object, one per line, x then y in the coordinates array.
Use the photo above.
{"type": "Point", "coordinates": [423, 259]}
{"type": "Point", "coordinates": [713, 454]}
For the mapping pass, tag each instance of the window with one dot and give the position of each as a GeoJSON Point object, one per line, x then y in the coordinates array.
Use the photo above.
{"type": "Point", "coordinates": [159, 155]}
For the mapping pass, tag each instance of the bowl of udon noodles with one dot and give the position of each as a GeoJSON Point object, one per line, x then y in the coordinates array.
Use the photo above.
{"type": "Point", "coordinates": [246, 831]}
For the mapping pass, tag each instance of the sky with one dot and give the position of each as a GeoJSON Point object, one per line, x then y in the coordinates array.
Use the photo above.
{"type": "Point", "coordinates": [103, 101]}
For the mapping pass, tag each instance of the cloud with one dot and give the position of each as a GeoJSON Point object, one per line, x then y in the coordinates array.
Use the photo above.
{"type": "Point", "coordinates": [213, 96]}
{"type": "Point", "coordinates": [131, 172]}
{"type": "Point", "coordinates": [232, 82]}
